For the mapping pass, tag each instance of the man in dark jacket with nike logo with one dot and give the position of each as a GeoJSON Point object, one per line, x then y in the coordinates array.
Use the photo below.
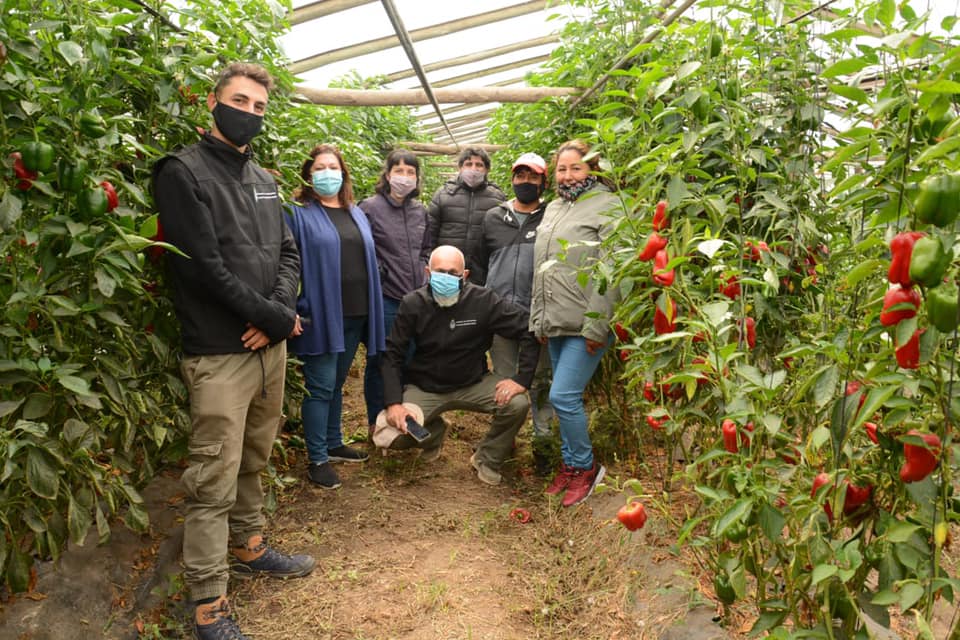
{"type": "Point", "coordinates": [452, 324]}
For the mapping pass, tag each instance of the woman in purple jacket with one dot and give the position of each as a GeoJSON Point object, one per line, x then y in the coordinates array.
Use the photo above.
{"type": "Point", "coordinates": [340, 303]}
{"type": "Point", "coordinates": [402, 239]}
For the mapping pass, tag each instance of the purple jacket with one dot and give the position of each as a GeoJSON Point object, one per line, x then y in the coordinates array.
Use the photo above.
{"type": "Point", "coordinates": [402, 241]}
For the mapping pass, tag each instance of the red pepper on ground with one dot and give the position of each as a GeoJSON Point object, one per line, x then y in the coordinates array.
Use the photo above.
{"type": "Point", "coordinates": [632, 516]}
{"type": "Point", "coordinates": [660, 221]}
{"type": "Point", "coordinates": [655, 243]}
{"type": "Point", "coordinates": [901, 249]}
{"type": "Point", "coordinates": [661, 275]}
{"type": "Point", "coordinates": [920, 461]}
{"type": "Point", "coordinates": [908, 354]}
{"type": "Point", "coordinates": [520, 515]}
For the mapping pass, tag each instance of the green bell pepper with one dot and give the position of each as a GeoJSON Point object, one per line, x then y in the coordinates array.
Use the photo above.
{"type": "Point", "coordinates": [37, 156]}
{"type": "Point", "coordinates": [725, 591]}
{"type": "Point", "coordinates": [938, 201]}
{"type": "Point", "coordinates": [928, 262]}
{"type": "Point", "coordinates": [942, 306]}
{"type": "Point", "coordinates": [92, 203]}
{"type": "Point", "coordinates": [70, 175]}
{"type": "Point", "coordinates": [92, 125]}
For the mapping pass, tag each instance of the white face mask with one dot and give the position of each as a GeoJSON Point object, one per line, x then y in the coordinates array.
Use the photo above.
{"type": "Point", "coordinates": [472, 177]}
{"type": "Point", "coordinates": [401, 186]}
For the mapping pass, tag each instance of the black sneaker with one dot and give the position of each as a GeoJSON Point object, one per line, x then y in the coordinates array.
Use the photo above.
{"type": "Point", "coordinates": [344, 453]}
{"type": "Point", "coordinates": [272, 564]}
{"type": "Point", "coordinates": [323, 475]}
{"type": "Point", "coordinates": [222, 626]}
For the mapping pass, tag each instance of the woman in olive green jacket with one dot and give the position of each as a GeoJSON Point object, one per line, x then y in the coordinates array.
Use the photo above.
{"type": "Point", "coordinates": [569, 241]}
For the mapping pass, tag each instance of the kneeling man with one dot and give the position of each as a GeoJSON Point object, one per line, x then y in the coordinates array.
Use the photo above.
{"type": "Point", "coordinates": [451, 324]}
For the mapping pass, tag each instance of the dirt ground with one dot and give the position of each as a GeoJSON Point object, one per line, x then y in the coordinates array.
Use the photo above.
{"type": "Point", "coordinates": [408, 551]}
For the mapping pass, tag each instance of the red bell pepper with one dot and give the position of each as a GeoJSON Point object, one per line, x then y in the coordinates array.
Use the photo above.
{"type": "Point", "coordinates": [632, 516]}
{"type": "Point", "coordinates": [25, 177]}
{"type": "Point", "coordinates": [901, 249]}
{"type": "Point", "coordinates": [661, 275]}
{"type": "Point", "coordinates": [660, 221]}
{"type": "Point", "coordinates": [649, 392]}
{"type": "Point", "coordinates": [899, 303]}
{"type": "Point", "coordinates": [622, 334]}
{"type": "Point", "coordinates": [656, 423]}
{"type": "Point", "coordinates": [730, 440]}
{"type": "Point", "coordinates": [655, 243]}
{"type": "Point", "coordinates": [112, 200]}
{"type": "Point", "coordinates": [665, 322]}
{"type": "Point", "coordinates": [820, 480]}
{"type": "Point", "coordinates": [856, 497]}
{"type": "Point", "coordinates": [871, 428]}
{"type": "Point", "coordinates": [756, 249]}
{"type": "Point", "coordinates": [908, 354]}
{"type": "Point", "coordinates": [731, 288]}
{"type": "Point", "coordinates": [920, 461]}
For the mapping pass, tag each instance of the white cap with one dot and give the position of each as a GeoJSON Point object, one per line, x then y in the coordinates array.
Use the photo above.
{"type": "Point", "coordinates": [531, 160]}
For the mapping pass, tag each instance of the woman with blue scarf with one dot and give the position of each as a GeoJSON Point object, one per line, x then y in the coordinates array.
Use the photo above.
{"type": "Point", "coordinates": [340, 303]}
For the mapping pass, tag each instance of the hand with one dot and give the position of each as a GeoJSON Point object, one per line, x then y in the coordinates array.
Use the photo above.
{"type": "Point", "coordinates": [397, 416]}
{"type": "Point", "coordinates": [593, 346]}
{"type": "Point", "coordinates": [254, 338]}
{"type": "Point", "coordinates": [297, 328]}
{"type": "Point", "coordinates": [505, 391]}
{"type": "Point", "coordinates": [543, 340]}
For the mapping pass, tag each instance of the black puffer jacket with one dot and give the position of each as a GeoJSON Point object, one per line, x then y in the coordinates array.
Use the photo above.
{"type": "Point", "coordinates": [508, 252]}
{"type": "Point", "coordinates": [456, 218]}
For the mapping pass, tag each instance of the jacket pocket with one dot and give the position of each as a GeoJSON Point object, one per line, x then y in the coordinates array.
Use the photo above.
{"type": "Point", "coordinates": [203, 479]}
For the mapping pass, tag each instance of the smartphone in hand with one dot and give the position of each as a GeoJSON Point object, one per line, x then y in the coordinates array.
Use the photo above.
{"type": "Point", "coordinates": [416, 430]}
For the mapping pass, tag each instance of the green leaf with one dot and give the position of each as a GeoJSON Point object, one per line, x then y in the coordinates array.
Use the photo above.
{"type": "Point", "coordinates": [910, 594]}
{"type": "Point", "coordinates": [825, 386]}
{"type": "Point", "coordinates": [737, 513]}
{"type": "Point", "coordinates": [863, 270]}
{"type": "Point", "coordinates": [78, 521]}
{"type": "Point", "coordinates": [105, 283]}
{"type": "Point", "coordinates": [74, 383]}
{"type": "Point", "coordinates": [18, 570]}
{"type": "Point", "coordinates": [901, 531]}
{"type": "Point", "coordinates": [6, 408]}
{"type": "Point", "coordinates": [940, 86]}
{"type": "Point", "coordinates": [772, 522]}
{"type": "Point", "coordinates": [942, 148]}
{"type": "Point", "coordinates": [10, 210]}
{"type": "Point", "coordinates": [71, 51]}
{"type": "Point", "coordinates": [884, 598]}
{"type": "Point", "coordinates": [845, 67]}
{"type": "Point", "coordinates": [38, 405]}
{"type": "Point", "coordinates": [41, 474]}
{"type": "Point", "coordinates": [137, 518]}
{"type": "Point", "coordinates": [821, 572]}
{"type": "Point", "coordinates": [886, 12]}
{"type": "Point", "coordinates": [854, 94]}
{"type": "Point", "coordinates": [715, 312]}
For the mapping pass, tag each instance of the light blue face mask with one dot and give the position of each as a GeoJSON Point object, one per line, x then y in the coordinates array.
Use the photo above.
{"type": "Point", "coordinates": [444, 284]}
{"type": "Point", "coordinates": [327, 182]}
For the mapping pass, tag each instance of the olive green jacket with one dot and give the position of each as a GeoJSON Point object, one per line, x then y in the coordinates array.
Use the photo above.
{"type": "Point", "coordinates": [569, 240]}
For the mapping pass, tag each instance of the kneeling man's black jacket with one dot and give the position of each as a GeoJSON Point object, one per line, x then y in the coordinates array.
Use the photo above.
{"type": "Point", "coordinates": [452, 342]}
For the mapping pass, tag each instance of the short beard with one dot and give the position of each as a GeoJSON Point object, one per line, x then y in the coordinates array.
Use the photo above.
{"type": "Point", "coordinates": [446, 301]}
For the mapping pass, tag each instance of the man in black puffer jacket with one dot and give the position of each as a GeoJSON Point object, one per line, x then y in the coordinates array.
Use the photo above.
{"type": "Point", "coordinates": [456, 213]}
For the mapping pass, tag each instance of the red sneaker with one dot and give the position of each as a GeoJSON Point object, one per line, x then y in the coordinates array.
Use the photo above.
{"type": "Point", "coordinates": [560, 481]}
{"type": "Point", "coordinates": [582, 483]}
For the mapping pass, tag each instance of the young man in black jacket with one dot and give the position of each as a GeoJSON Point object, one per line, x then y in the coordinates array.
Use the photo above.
{"type": "Point", "coordinates": [235, 297]}
{"type": "Point", "coordinates": [452, 323]}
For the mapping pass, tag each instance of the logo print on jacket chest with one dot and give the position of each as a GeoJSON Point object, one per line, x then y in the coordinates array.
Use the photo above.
{"type": "Point", "coordinates": [462, 323]}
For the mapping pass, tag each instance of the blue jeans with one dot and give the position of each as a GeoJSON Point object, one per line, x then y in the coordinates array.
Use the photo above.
{"type": "Point", "coordinates": [324, 375]}
{"type": "Point", "coordinates": [572, 369]}
{"type": "Point", "coordinates": [372, 378]}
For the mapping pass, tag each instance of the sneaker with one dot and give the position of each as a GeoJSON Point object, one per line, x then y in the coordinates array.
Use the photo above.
{"type": "Point", "coordinates": [323, 475]}
{"type": "Point", "coordinates": [485, 473]}
{"type": "Point", "coordinates": [582, 484]}
{"type": "Point", "coordinates": [560, 481]}
{"type": "Point", "coordinates": [272, 564]}
{"type": "Point", "coordinates": [343, 453]}
{"type": "Point", "coordinates": [221, 625]}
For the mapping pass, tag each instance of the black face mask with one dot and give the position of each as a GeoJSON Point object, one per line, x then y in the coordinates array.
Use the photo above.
{"type": "Point", "coordinates": [527, 192]}
{"type": "Point", "coordinates": [239, 127]}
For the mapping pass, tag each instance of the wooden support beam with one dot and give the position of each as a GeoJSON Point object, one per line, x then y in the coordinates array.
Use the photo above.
{"type": "Point", "coordinates": [434, 31]}
{"type": "Point", "coordinates": [323, 8]}
{"type": "Point", "coordinates": [430, 148]}
{"type": "Point", "coordinates": [475, 57]}
{"type": "Point", "coordinates": [389, 98]}
{"type": "Point", "coordinates": [490, 71]}
{"type": "Point", "coordinates": [472, 117]}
